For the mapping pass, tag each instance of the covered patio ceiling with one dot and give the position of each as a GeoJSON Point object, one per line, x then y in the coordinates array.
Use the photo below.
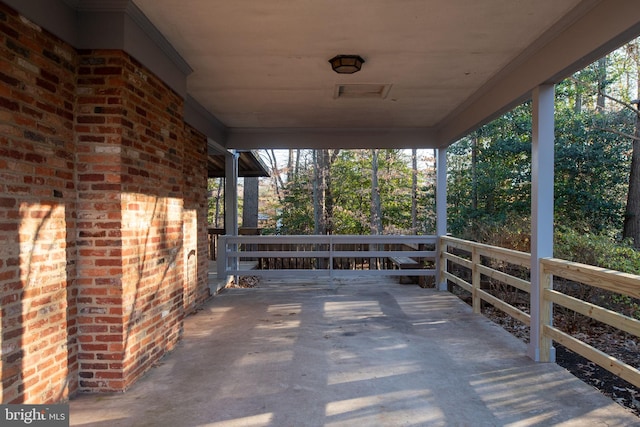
{"type": "Point", "coordinates": [433, 71]}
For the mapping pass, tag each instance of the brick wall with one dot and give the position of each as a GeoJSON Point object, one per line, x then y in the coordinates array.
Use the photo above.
{"type": "Point", "coordinates": [135, 159]}
{"type": "Point", "coordinates": [98, 131]}
{"type": "Point", "coordinates": [102, 216]}
{"type": "Point", "coordinates": [37, 213]}
{"type": "Point", "coordinates": [152, 209]}
{"type": "Point", "coordinates": [195, 219]}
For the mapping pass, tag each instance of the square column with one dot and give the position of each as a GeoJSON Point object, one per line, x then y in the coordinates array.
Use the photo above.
{"type": "Point", "coordinates": [542, 201]}
{"type": "Point", "coordinates": [230, 211]}
{"type": "Point", "coordinates": [441, 207]}
{"type": "Point", "coordinates": [231, 194]}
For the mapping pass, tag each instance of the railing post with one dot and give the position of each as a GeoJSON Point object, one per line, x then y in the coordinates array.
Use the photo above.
{"type": "Point", "coordinates": [547, 352]}
{"type": "Point", "coordinates": [475, 280]}
{"type": "Point", "coordinates": [222, 257]}
{"type": "Point", "coordinates": [330, 256]}
{"type": "Point", "coordinates": [441, 262]}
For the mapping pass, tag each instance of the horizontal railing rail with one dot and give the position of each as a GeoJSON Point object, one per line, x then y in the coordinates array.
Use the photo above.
{"type": "Point", "coordinates": [475, 252]}
{"type": "Point", "coordinates": [325, 256]}
{"type": "Point", "coordinates": [459, 256]}
{"type": "Point", "coordinates": [610, 280]}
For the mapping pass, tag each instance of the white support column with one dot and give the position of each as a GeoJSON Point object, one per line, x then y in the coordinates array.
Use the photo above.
{"type": "Point", "coordinates": [542, 175]}
{"type": "Point", "coordinates": [441, 208]}
{"type": "Point", "coordinates": [231, 194]}
{"type": "Point", "coordinates": [230, 209]}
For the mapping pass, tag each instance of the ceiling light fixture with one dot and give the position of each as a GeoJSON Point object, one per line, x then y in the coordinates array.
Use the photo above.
{"type": "Point", "coordinates": [346, 64]}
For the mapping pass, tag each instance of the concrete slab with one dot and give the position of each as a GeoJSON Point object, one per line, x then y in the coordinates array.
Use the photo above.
{"type": "Point", "coordinates": [346, 353]}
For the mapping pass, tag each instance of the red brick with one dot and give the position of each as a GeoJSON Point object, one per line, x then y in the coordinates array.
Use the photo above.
{"type": "Point", "coordinates": [100, 276]}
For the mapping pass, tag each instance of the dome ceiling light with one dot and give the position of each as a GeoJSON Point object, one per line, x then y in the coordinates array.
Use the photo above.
{"type": "Point", "coordinates": [346, 64]}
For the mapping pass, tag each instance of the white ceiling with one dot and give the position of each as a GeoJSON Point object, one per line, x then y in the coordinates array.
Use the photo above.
{"type": "Point", "coordinates": [263, 65]}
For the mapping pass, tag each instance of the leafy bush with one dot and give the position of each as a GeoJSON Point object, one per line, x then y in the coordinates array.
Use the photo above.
{"type": "Point", "coordinates": [600, 250]}
{"type": "Point", "coordinates": [512, 232]}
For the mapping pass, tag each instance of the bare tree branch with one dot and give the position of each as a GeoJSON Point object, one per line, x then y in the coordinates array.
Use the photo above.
{"type": "Point", "coordinates": [630, 106]}
{"type": "Point", "coordinates": [617, 132]}
{"type": "Point", "coordinates": [271, 154]}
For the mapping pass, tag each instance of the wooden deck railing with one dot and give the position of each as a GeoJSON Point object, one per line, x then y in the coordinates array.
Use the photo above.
{"type": "Point", "coordinates": [610, 280]}
{"type": "Point", "coordinates": [326, 256]}
{"type": "Point", "coordinates": [472, 266]}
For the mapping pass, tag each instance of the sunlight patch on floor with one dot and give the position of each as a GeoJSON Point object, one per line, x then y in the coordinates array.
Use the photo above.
{"type": "Point", "coordinates": [259, 420]}
{"type": "Point", "coordinates": [381, 409]}
{"type": "Point", "coordinates": [372, 373]}
{"type": "Point", "coordinates": [352, 309]}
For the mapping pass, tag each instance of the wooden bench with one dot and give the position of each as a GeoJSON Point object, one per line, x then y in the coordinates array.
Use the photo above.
{"type": "Point", "coordinates": [404, 263]}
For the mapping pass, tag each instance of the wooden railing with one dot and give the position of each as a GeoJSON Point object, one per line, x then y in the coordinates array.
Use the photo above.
{"type": "Point", "coordinates": [477, 262]}
{"type": "Point", "coordinates": [609, 280]}
{"type": "Point", "coordinates": [461, 258]}
{"type": "Point", "coordinates": [325, 256]}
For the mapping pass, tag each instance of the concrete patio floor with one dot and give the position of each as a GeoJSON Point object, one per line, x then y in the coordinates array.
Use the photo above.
{"type": "Point", "coordinates": [348, 353]}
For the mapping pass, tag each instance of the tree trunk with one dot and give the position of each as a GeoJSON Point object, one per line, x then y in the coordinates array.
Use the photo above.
{"type": "Point", "coordinates": [290, 162]}
{"type": "Point", "coordinates": [328, 195]}
{"type": "Point", "coordinates": [632, 214]}
{"type": "Point", "coordinates": [414, 191]}
{"type": "Point", "coordinates": [322, 195]}
{"type": "Point", "coordinates": [216, 215]}
{"type": "Point", "coordinates": [376, 206]}
{"type": "Point", "coordinates": [474, 174]}
{"type": "Point", "coordinates": [577, 106]}
{"type": "Point", "coordinates": [602, 83]}
{"type": "Point", "coordinates": [631, 229]}
{"type": "Point", "coordinates": [275, 170]}
{"type": "Point", "coordinates": [318, 194]}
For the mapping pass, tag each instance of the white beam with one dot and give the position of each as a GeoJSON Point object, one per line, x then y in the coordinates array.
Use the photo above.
{"type": "Point", "coordinates": [441, 206]}
{"type": "Point", "coordinates": [231, 194]}
{"type": "Point", "coordinates": [230, 209]}
{"type": "Point", "coordinates": [345, 138]}
{"type": "Point", "coordinates": [542, 174]}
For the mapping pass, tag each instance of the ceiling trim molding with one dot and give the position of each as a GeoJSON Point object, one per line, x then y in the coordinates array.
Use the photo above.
{"type": "Point", "coordinates": [202, 120]}
{"type": "Point", "coordinates": [134, 12]}
{"type": "Point", "coordinates": [109, 24]}
{"type": "Point", "coordinates": [158, 38]}
{"type": "Point", "coordinates": [214, 148]}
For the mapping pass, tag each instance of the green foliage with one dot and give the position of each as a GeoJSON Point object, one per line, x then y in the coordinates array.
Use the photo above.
{"type": "Point", "coordinates": [296, 215]}
{"type": "Point", "coordinates": [351, 177]}
{"type": "Point", "coordinates": [215, 189]}
{"type": "Point", "coordinates": [591, 169]}
{"type": "Point", "coordinates": [601, 250]}
{"type": "Point", "coordinates": [499, 177]}
{"type": "Point", "coordinates": [511, 232]}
